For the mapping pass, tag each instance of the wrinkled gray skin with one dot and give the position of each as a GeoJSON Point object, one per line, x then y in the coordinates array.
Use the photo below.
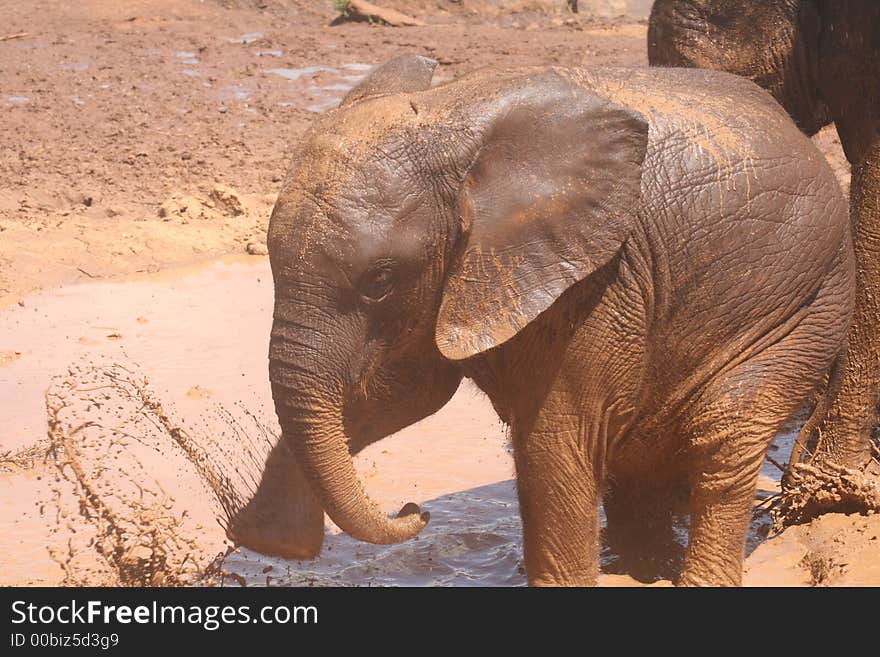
{"type": "Point", "coordinates": [821, 60]}
{"type": "Point", "coordinates": [644, 282]}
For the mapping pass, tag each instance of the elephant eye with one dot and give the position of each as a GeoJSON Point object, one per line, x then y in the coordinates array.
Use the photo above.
{"type": "Point", "coordinates": [378, 283]}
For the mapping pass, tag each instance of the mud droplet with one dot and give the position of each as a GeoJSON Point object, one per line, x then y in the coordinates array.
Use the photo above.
{"type": "Point", "coordinates": [6, 357]}
{"type": "Point", "coordinates": [198, 392]}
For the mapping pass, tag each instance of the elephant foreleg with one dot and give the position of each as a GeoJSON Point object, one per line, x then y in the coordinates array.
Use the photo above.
{"type": "Point", "coordinates": [560, 511]}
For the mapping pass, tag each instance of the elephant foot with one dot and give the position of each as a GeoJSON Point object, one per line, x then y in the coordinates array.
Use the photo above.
{"type": "Point", "coordinates": [663, 562]}
{"type": "Point", "coordinates": [283, 517]}
{"type": "Point", "coordinates": [275, 537]}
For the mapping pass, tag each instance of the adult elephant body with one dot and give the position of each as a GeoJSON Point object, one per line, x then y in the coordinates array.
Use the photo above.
{"type": "Point", "coordinates": [821, 60]}
{"type": "Point", "coordinates": [644, 282]}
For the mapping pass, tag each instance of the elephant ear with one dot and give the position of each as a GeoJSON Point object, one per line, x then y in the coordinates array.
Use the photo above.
{"type": "Point", "coordinates": [402, 74]}
{"type": "Point", "coordinates": [549, 197]}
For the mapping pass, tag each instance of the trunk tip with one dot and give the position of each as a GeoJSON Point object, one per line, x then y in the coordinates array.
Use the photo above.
{"type": "Point", "coordinates": [411, 509]}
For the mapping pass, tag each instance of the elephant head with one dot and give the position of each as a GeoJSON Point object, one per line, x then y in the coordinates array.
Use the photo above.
{"type": "Point", "coordinates": [418, 228]}
{"type": "Point", "coordinates": [773, 43]}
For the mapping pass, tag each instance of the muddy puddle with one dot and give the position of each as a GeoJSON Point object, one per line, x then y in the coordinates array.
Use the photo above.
{"type": "Point", "coordinates": [160, 384]}
{"type": "Point", "coordinates": [322, 86]}
{"type": "Point", "coordinates": [314, 88]}
{"type": "Point", "coordinates": [616, 8]}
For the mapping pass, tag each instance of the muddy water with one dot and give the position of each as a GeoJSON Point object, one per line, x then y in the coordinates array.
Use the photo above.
{"type": "Point", "coordinates": [320, 87]}
{"type": "Point", "coordinates": [200, 338]}
{"type": "Point", "coordinates": [615, 8]}
{"type": "Point", "coordinates": [203, 328]}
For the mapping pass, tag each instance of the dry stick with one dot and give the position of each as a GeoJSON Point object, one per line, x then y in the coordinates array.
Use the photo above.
{"type": "Point", "coordinates": [18, 35]}
{"type": "Point", "coordinates": [774, 462]}
{"type": "Point", "coordinates": [368, 11]}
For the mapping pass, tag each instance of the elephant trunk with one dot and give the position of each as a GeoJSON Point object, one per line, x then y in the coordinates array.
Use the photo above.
{"type": "Point", "coordinates": [309, 409]}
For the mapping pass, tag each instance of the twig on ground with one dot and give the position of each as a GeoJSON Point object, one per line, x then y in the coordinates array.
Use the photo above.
{"type": "Point", "coordinates": [361, 10]}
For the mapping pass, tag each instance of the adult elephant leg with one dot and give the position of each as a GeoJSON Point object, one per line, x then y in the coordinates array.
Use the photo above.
{"type": "Point", "coordinates": [845, 433]}
{"type": "Point", "coordinates": [849, 78]}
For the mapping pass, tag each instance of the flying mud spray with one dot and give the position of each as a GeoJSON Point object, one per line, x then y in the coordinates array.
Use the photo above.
{"type": "Point", "coordinates": [109, 434]}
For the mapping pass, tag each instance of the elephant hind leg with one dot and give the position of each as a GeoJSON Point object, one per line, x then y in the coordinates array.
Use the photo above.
{"type": "Point", "coordinates": [729, 426]}
{"type": "Point", "coordinates": [640, 530]}
{"type": "Point", "coordinates": [728, 442]}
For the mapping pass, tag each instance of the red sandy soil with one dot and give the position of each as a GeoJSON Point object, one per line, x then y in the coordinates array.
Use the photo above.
{"type": "Point", "coordinates": [107, 118]}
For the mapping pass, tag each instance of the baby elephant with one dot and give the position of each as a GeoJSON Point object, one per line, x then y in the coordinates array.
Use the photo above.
{"type": "Point", "coordinates": [647, 271]}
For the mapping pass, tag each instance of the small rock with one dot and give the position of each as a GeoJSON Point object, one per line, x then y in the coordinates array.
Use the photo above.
{"type": "Point", "coordinates": [257, 248]}
{"type": "Point", "coordinates": [226, 199]}
{"type": "Point", "coordinates": [178, 205]}
{"type": "Point", "coordinates": [77, 197]}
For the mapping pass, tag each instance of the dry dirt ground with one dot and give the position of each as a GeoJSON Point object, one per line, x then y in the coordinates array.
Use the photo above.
{"type": "Point", "coordinates": [148, 133]}
{"type": "Point", "coordinates": [144, 135]}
